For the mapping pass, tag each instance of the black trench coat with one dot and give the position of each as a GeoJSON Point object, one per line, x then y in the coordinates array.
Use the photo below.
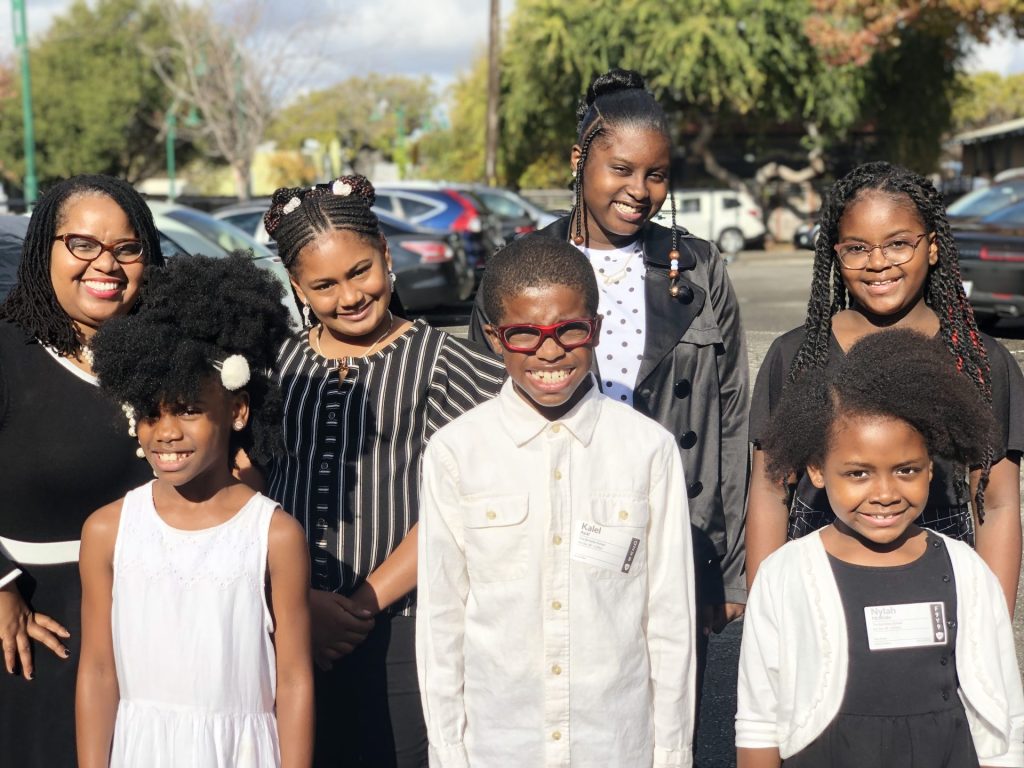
{"type": "Point", "coordinates": [694, 381]}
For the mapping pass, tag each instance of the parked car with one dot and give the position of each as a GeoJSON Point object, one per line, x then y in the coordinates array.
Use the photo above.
{"type": "Point", "coordinates": [441, 206]}
{"type": "Point", "coordinates": [508, 204]}
{"type": "Point", "coordinates": [728, 217]}
{"type": "Point", "coordinates": [198, 232]}
{"type": "Point", "coordinates": [431, 265]}
{"type": "Point", "coordinates": [806, 235]}
{"type": "Point", "coordinates": [992, 262]}
{"type": "Point", "coordinates": [982, 202]}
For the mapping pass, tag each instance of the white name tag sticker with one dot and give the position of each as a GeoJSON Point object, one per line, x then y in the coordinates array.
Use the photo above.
{"type": "Point", "coordinates": [911, 625]}
{"type": "Point", "coordinates": [603, 546]}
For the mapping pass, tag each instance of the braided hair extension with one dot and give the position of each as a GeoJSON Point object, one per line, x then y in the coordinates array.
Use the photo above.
{"type": "Point", "coordinates": [944, 291]}
{"type": "Point", "coordinates": [297, 215]}
{"type": "Point", "coordinates": [614, 99]}
{"type": "Point", "coordinates": [32, 304]}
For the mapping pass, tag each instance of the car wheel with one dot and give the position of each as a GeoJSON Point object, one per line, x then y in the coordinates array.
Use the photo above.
{"type": "Point", "coordinates": [731, 241]}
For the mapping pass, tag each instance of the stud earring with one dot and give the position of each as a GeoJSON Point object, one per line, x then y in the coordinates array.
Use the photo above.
{"type": "Point", "coordinates": [306, 323]}
{"type": "Point", "coordinates": [239, 425]}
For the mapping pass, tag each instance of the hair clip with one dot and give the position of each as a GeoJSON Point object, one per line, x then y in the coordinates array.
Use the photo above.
{"type": "Point", "coordinates": [234, 372]}
{"type": "Point", "coordinates": [291, 205]}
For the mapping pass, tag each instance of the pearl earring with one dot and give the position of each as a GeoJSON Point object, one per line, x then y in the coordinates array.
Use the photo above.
{"type": "Point", "coordinates": [140, 452]}
{"type": "Point", "coordinates": [239, 425]}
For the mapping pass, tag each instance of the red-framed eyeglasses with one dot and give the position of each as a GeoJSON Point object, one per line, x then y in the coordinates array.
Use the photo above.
{"type": "Point", "coordinates": [526, 337]}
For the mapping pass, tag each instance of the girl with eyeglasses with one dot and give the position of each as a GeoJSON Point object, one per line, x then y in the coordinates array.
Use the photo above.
{"type": "Point", "coordinates": [63, 445]}
{"type": "Point", "coordinates": [886, 258]}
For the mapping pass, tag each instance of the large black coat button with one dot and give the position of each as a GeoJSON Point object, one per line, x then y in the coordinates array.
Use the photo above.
{"type": "Point", "coordinates": [681, 388]}
{"type": "Point", "coordinates": [694, 489]}
{"type": "Point", "coordinates": [688, 440]}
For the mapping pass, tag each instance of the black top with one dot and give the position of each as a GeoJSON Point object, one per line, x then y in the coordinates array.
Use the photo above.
{"type": "Point", "coordinates": [947, 510]}
{"type": "Point", "coordinates": [915, 680]}
{"type": "Point", "coordinates": [353, 449]}
{"type": "Point", "coordinates": [64, 446]}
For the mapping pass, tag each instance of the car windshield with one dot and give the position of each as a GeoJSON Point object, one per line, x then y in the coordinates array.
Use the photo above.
{"type": "Point", "coordinates": [227, 236]}
{"type": "Point", "coordinates": [1011, 215]}
{"type": "Point", "coordinates": [982, 202]}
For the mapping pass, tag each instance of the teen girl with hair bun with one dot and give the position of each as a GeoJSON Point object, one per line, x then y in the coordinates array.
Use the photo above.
{"type": "Point", "coordinates": [672, 344]}
{"type": "Point", "coordinates": [364, 390]}
{"type": "Point", "coordinates": [886, 258]}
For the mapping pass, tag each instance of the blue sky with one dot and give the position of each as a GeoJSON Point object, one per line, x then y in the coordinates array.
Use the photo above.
{"type": "Point", "coordinates": [435, 37]}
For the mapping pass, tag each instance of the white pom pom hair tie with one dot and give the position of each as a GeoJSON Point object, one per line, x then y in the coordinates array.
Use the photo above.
{"type": "Point", "coordinates": [291, 205]}
{"type": "Point", "coordinates": [234, 372]}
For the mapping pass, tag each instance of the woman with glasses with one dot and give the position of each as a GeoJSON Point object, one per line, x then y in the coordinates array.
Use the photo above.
{"type": "Point", "coordinates": [886, 258]}
{"type": "Point", "coordinates": [364, 390]}
{"type": "Point", "coordinates": [64, 447]}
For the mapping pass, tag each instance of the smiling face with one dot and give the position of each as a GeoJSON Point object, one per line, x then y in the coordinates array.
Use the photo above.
{"type": "Point", "coordinates": [881, 290]}
{"type": "Point", "coordinates": [550, 379]}
{"type": "Point", "coordinates": [876, 474]}
{"type": "Point", "coordinates": [625, 183]}
{"type": "Point", "coordinates": [92, 292]}
{"type": "Point", "coordinates": [344, 279]}
{"type": "Point", "coordinates": [188, 444]}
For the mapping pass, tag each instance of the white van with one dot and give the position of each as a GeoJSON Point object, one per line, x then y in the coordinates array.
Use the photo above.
{"type": "Point", "coordinates": [730, 218]}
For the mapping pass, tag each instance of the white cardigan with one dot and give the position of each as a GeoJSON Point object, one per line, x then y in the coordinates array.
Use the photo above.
{"type": "Point", "coordinates": [794, 657]}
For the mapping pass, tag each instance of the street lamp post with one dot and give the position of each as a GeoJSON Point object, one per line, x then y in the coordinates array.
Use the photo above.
{"type": "Point", "coordinates": [21, 43]}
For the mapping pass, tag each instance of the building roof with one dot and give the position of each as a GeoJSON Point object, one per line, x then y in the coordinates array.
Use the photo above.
{"type": "Point", "coordinates": [991, 132]}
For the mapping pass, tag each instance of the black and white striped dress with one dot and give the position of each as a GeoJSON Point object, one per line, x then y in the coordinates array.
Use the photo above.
{"type": "Point", "coordinates": [350, 472]}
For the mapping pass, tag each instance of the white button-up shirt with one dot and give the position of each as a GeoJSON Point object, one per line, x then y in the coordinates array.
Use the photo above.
{"type": "Point", "coordinates": [555, 620]}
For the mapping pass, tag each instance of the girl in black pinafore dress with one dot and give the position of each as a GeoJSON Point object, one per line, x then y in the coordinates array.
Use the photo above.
{"type": "Point", "coordinates": [874, 642]}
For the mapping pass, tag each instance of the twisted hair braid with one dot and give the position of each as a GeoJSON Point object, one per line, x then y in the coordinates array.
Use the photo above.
{"type": "Point", "coordinates": [944, 291]}
{"type": "Point", "coordinates": [345, 203]}
{"type": "Point", "coordinates": [614, 99]}
{"type": "Point", "coordinates": [32, 304]}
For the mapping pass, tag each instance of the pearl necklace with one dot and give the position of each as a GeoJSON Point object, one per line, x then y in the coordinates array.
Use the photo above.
{"type": "Point", "coordinates": [343, 362]}
{"type": "Point", "coordinates": [617, 277]}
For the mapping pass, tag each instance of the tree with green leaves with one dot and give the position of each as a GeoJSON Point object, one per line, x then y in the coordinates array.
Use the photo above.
{"type": "Point", "coordinates": [987, 98]}
{"type": "Point", "coordinates": [376, 112]}
{"type": "Point", "coordinates": [98, 105]}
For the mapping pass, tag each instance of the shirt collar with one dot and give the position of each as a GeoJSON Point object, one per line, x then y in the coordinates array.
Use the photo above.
{"type": "Point", "coordinates": [523, 423]}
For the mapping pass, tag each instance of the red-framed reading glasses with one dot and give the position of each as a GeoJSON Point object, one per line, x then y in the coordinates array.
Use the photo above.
{"type": "Point", "coordinates": [528, 338]}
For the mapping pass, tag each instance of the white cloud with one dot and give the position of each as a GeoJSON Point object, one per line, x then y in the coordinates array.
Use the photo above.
{"type": "Point", "coordinates": [1004, 54]}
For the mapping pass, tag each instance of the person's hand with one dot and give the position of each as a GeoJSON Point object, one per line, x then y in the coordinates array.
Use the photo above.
{"type": "Point", "coordinates": [19, 624]}
{"type": "Point", "coordinates": [715, 618]}
{"type": "Point", "coordinates": [339, 626]}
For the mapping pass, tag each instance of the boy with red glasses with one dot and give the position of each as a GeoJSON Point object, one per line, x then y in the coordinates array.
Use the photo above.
{"type": "Point", "coordinates": [556, 606]}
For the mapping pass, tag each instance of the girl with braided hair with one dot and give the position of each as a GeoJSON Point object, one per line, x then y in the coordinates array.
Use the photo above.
{"type": "Point", "coordinates": [672, 344]}
{"type": "Point", "coordinates": [885, 258]}
{"type": "Point", "coordinates": [62, 444]}
{"type": "Point", "coordinates": [364, 390]}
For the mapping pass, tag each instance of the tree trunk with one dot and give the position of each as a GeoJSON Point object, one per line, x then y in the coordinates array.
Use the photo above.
{"type": "Point", "coordinates": [241, 172]}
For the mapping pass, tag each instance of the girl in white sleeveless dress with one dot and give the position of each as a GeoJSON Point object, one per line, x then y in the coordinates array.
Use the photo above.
{"type": "Point", "coordinates": [195, 631]}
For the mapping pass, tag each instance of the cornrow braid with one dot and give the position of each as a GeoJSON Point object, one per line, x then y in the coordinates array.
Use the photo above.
{"type": "Point", "coordinates": [298, 214]}
{"type": "Point", "coordinates": [33, 304]}
{"type": "Point", "coordinates": [944, 291]}
{"type": "Point", "coordinates": [579, 211]}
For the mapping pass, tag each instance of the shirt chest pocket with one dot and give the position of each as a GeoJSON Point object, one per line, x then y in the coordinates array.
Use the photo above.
{"type": "Point", "coordinates": [613, 543]}
{"type": "Point", "coordinates": [495, 537]}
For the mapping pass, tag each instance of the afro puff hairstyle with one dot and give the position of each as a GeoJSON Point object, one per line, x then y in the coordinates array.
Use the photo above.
{"type": "Point", "coordinates": [199, 311]}
{"type": "Point", "coordinates": [897, 374]}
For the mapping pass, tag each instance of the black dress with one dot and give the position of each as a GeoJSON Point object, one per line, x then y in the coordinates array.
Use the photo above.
{"type": "Point", "coordinates": [65, 451]}
{"type": "Point", "coordinates": [947, 511]}
{"type": "Point", "coordinates": [900, 708]}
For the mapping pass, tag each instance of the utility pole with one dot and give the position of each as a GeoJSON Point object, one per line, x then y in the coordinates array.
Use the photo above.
{"type": "Point", "coordinates": [21, 43]}
{"type": "Point", "coordinates": [493, 91]}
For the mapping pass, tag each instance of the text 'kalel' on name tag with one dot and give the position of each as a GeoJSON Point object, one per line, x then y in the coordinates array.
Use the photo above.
{"type": "Point", "coordinates": [910, 625]}
{"type": "Point", "coordinates": [604, 546]}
